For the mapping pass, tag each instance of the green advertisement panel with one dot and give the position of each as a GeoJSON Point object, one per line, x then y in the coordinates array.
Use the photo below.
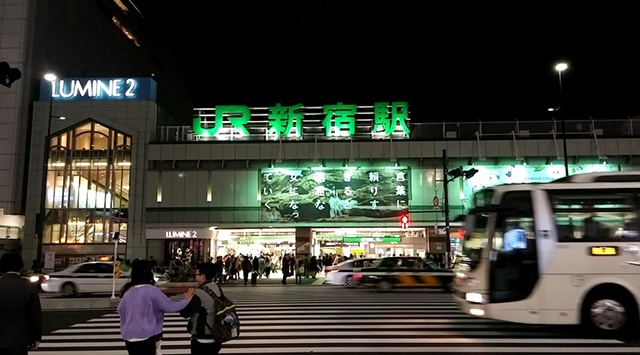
{"type": "Point", "coordinates": [488, 176]}
{"type": "Point", "coordinates": [333, 194]}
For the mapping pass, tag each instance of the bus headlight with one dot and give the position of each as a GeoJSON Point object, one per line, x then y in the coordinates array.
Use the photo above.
{"type": "Point", "coordinates": [475, 297]}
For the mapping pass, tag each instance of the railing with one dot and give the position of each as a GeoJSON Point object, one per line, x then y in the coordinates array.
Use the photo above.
{"type": "Point", "coordinates": [481, 130]}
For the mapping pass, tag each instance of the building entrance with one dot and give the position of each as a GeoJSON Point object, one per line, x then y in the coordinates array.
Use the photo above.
{"type": "Point", "coordinates": [185, 255]}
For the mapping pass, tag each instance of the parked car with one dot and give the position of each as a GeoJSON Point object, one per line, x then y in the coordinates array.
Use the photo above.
{"type": "Point", "coordinates": [89, 277]}
{"type": "Point", "coordinates": [342, 273]}
{"type": "Point", "coordinates": [404, 272]}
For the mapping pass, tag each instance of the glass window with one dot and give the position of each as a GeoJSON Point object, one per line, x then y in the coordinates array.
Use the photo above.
{"type": "Point", "coordinates": [514, 265]}
{"type": "Point", "coordinates": [88, 186]}
{"type": "Point", "coordinates": [595, 214]}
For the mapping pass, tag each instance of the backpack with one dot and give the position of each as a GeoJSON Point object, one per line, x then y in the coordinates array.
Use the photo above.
{"type": "Point", "coordinates": [226, 325]}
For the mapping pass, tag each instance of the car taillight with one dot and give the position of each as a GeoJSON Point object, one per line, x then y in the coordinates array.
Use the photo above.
{"type": "Point", "coordinates": [357, 276]}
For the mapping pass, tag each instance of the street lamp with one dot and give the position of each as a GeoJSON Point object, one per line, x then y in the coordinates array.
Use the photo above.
{"type": "Point", "coordinates": [50, 77]}
{"type": "Point", "coordinates": [560, 67]}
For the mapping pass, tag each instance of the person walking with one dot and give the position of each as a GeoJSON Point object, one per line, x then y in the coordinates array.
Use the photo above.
{"type": "Point", "coordinates": [299, 270]}
{"type": "Point", "coordinates": [285, 268]}
{"type": "Point", "coordinates": [246, 268]}
{"type": "Point", "coordinates": [142, 310]}
{"type": "Point", "coordinates": [20, 309]}
{"type": "Point", "coordinates": [267, 266]}
{"type": "Point", "coordinates": [201, 313]}
{"type": "Point", "coordinates": [255, 264]}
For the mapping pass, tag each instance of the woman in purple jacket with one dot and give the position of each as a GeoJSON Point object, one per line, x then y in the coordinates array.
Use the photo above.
{"type": "Point", "coordinates": [142, 310]}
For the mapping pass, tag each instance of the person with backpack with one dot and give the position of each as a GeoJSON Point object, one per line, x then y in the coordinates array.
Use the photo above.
{"type": "Point", "coordinates": [205, 310]}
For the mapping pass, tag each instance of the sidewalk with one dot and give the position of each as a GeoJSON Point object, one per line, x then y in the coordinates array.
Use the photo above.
{"type": "Point", "coordinates": [170, 289]}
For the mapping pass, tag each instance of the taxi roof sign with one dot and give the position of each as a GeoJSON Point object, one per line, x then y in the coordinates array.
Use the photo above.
{"type": "Point", "coordinates": [603, 251]}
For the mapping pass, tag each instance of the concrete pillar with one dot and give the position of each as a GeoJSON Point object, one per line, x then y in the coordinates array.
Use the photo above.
{"type": "Point", "coordinates": [303, 241]}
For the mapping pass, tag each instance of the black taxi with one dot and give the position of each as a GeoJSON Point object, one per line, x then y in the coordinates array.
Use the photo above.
{"type": "Point", "coordinates": [404, 272]}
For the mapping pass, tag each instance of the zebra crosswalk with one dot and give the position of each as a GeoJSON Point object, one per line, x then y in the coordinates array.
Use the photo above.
{"type": "Point", "coordinates": [373, 324]}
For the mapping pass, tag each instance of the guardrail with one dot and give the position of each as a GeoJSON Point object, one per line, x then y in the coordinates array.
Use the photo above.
{"type": "Point", "coordinates": [432, 131]}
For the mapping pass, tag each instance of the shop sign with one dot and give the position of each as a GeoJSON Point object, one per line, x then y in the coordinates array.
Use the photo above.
{"type": "Point", "coordinates": [382, 120]}
{"type": "Point", "coordinates": [333, 194]}
{"type": "Point", "coordinates": [372, 239]}
{"type": "Point", "coordinates": [72, 89]}
{"type": "Point", "coordinates": [178, 233]}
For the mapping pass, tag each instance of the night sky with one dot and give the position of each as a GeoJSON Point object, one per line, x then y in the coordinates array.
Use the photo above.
{"type": "Point", "coordinates": [491, 60]}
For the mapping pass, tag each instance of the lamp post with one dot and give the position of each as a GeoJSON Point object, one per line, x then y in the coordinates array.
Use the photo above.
{"type": "Point", "coordinates": [560, 67]}
{"type": "Point", "coordinates": [50, 77]}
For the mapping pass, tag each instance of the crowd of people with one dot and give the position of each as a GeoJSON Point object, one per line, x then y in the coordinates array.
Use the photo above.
{"type": "Point", "coordinates": [250, 268]}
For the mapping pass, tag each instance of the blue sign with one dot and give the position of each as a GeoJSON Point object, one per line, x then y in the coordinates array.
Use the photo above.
{"type": "Point", "coordinates": [72, 89]}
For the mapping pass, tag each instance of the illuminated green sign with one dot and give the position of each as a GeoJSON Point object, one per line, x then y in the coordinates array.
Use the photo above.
{"type": "Point", "coordinates": [338, 120]}
{"type": "Point", "coordinates": [372, 239]}
{"type": "Point", "coordinates": [488, 176]}
{"type": "Point", "coordinates": [333, 194]}
{"type": "Point", "coordinates": [238, 116]}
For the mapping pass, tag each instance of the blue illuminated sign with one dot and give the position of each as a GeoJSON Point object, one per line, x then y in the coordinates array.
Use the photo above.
{"type": "Point", "coordinates": [68, 89]}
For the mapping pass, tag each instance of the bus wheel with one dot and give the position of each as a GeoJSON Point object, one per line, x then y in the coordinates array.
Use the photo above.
{"type": "Point", "coordinates": [609, 316]}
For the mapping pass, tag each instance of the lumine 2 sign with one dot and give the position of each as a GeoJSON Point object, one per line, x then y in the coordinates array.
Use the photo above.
{"type": "Point", "coordinates": [99, 89]}
{"type": "Point", "coordinates": [338, 120]}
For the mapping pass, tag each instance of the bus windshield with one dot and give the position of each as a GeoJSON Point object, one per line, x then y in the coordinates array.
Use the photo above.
{"type": "Point", "coordinates": [475, 225]}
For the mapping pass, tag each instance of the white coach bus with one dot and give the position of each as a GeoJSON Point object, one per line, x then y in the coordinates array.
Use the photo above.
{"type": "Point", "coordinates": [565, 252]}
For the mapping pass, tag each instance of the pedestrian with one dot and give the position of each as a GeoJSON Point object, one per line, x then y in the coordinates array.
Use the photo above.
{"type": "Point", "coordinates": [285, 268]}
{"type": "Point", "coordinates": [255, 264]}
{"type": "Point", "coordinates": [267, 266]}
{"type": "Point", "coordinates": [247, 267]}
{"type": "Point", "coordinates": [219, 267]}
{"type": "Point", "coordinates": [202, 341]}
{"type": "Point", "coordinates": [20, 310]}
{"type": "Point", "coordinates": [142, 310]}
{"type": "Point", "coordinates": [299, 270]}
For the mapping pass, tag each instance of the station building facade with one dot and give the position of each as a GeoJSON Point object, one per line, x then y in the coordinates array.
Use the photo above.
{"type": "Point", "coordinates": [311, 180]}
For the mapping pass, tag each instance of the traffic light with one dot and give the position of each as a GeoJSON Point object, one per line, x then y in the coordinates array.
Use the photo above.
{"type": "Point", "coordinates": [116, 269]}
{"type": "Point", "coordinates": [458, 172]}
{"type": "Point", "coordinates": [8, 75]}
{"type": "Point", "coordinates": [404, 221]}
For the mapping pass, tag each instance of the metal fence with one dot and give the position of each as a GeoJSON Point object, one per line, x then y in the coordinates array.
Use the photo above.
{"type": "Point", "coordinates": [434, 131]}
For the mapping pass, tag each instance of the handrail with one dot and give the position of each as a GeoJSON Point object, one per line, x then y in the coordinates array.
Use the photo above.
{"type": "Point", "coordinates": [432, 131]}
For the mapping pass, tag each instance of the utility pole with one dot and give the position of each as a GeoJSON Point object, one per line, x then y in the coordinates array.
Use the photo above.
{"type": "Point", "coordinates": [445, 173]}
{"type": "Point", "coordinates": [560, 67]}
{"type": "Point", "coordinates": [454, 173]}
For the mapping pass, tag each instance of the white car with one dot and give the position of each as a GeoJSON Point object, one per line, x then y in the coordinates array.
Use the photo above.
{"type": "Point", "coordinates": [89, 277]}
{"type": "Point", "coordinates": [342, 273]}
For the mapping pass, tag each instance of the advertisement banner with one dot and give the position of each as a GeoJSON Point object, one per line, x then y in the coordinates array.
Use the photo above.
{"type": "Point", "coordinates": [333, 194]}
{"type": "Point", "coordinates": [488, 176]}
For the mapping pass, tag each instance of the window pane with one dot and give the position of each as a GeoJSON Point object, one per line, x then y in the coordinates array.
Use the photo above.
{"type": "Point", "coordinates": [595, 214]}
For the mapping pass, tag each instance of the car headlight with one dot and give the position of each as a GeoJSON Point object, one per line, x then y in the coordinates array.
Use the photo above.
{"type": "Point", "coordinates": [475, 297]}
{"type": "Point", "coordinates": [34, 278]}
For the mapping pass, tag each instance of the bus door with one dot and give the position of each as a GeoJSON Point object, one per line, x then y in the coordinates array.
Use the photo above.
{"type": "Point", "coordinates": [513, 253]}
